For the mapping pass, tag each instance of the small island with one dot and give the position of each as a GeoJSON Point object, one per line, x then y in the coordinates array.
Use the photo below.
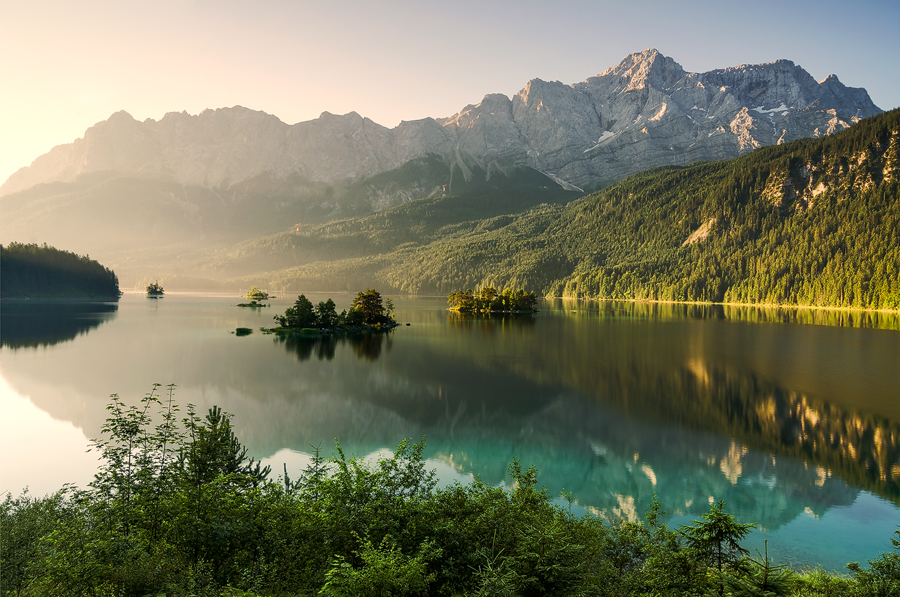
{"type": "Point", "coordinates": [489, 300]}
{"type": "Point", "coordinates": [154, 290]}
{"type": "Point", "coordinates": [255, 294]}
{"type": "Point", "coordinates": [367, 313]}
{"type": "Point", "coordinates": [254, 304]}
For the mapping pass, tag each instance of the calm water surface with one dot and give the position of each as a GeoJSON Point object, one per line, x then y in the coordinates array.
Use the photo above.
{"type": "Point", "coordinates": [791, 417]}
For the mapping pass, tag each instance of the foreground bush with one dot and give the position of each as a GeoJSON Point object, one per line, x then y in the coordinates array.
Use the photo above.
{"type": "Point", "coordinates": [177, 508]}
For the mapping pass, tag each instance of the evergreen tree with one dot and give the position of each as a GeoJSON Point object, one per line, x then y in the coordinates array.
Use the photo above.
{"type": "Point", "coordinates": [326, 315]}
{"type": "Point", "coordinates": [760, 578]}
{"type": "Point", "coordinates": [370, 305]}
{"type": "Point", "coordinates": [716, 539]}
{"type": "Point", "coordinates": [214, 451]}
{"type": "Point", "coordinates": [31, 270]}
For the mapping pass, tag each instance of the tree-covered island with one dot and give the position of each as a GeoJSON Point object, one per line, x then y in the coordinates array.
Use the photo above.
{"type": "Point", "coordinates": [155, 290]}
{"type": "Point", "coordinates": [42, 271]}
{"type": "Point", "coordinates": [254, 305]}
{"type": "Point", "coordinates": [255, 294]}
{"type": "Point", "coordinates": [367, 312]}
{"type": "Point", "coordinates": [489, 300]}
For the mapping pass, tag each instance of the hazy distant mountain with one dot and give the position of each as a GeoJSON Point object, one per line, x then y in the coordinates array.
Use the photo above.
{"type": "Point", "coordinates": [811, 222]}
{"type": "Point", "coordinates": [139, 193]}
{"type": "Point", "coordinates": [646, 111]}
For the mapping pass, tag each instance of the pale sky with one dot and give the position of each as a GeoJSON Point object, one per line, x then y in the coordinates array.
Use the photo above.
{"type": "Point", "coordinates": [65, 65]}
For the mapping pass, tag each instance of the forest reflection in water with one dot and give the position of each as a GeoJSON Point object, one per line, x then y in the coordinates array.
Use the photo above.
{"type": "Point", "coordinates": [658, 378]}
{"type": "Point", "coordinates": [366, 345]}
{"type": "Point", "coordinates": [33, 323]}
{"type": "Point", "coordinates": [812, 396]}
{"type": "Point", "coordinates": [886, 320]}
{"type": "Point", "coordinates": [614, 402]}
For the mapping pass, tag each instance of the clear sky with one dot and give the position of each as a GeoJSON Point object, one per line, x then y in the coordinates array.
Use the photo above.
{"type": "Point", "coordinates": [65, 65]}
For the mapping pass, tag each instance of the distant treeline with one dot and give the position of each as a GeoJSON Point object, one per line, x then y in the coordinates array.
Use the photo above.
{"type": "Point", "coordinates": [32, 270]}
{"type": "Point", "coordinates": [812, 222]}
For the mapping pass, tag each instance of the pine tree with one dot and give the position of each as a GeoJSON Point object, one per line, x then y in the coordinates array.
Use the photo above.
{"type": "Point", "coordinates": [760, 578]}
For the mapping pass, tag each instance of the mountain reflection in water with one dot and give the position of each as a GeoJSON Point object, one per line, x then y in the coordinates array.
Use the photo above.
{"type": "Point", "coordinates": [614, 402]}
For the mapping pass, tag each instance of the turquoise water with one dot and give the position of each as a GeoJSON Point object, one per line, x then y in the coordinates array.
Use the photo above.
{"type": "Point", "coordinates": [793, 422]}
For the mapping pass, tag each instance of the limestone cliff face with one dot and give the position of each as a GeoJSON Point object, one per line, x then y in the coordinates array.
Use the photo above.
{"type": "Point", "coordinates": [646, 111]}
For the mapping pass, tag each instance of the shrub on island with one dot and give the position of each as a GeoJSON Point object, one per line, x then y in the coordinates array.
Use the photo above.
{"type": "Point", "coordinates": [255, 294]}
{"type": "Point", "coordinates": [154, 290]}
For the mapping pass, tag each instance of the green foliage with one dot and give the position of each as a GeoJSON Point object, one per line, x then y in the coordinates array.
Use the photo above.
{"type": "Point", "coordinates": [716, 541]}
{"type": "Point", "coordinates": [256, 294]}
{"type": "Point", "coordinates": [717, 537]}
{"type": "Point", "coordinates": [31, 270]}
{"type": "Point", "coordinates": [816, 582]}
{"type": "Point", "coordinates": [812, 222]}
{"type": "Point", "coordinates": [369, 304]}
{"type": "Point", "coordinates": [177, 508]}
{"type": "Point", "coordinates": [300, 315]}
{"type": "Point", "coordinates": [760, 578]}
{"type": "Point", "coordinates": [154, 289]}
{"type": "Point", "coordinates": [24, 521]}
{"type": "Point", "coordinates": [214, 451]}
{"type": "Point", "coordinates": [385, 571]}
{"type": "Point", "coordinates": [367, 308]}
{"type": "Point", "coordinates": [326, 315]}
{"type": "Point", "coordinates": [882, 578]}
{"type": "Point", "coordinates": [488, 300]}
{"type": "Point", "coordinates": [253, 305]}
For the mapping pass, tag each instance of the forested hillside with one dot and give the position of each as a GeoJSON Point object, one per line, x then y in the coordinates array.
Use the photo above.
{"type": "Point", "coordinates": [811, 222]}
{"type": "Point", "coordinates": [484, 203]}
{"type": "Point", "coordinates": [30, 270]}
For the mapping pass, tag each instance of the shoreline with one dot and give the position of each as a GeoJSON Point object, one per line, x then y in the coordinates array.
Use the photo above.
{"type": "Point", "coordinates": [710, 304]}
{"type": "Point", "coordinates": [561, 298]}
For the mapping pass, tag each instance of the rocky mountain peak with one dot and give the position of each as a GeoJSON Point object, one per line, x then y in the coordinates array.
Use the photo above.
{"type": "Point", "coordinates": [118, 123]}
{"type": "Point", "coordinates": [121, 116]}
{"type": "Point", "coordinates": [645, 111]}
{"type": "Point", "coordinates": [645, 69]}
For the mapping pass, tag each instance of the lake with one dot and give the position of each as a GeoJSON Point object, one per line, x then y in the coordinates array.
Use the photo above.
{"type": "Point", "coordinates": [790, 416]}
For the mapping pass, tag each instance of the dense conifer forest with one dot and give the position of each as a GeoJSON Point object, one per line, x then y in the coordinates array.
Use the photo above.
{"type": "Point", "coordinates": [178, 508]}
{"type": "Point", "coordinates": [41, 271]}
{"type": "Point", "coordinates": [812, 222]}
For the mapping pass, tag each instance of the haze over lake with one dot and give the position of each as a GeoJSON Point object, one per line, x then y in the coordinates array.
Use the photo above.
{"type": "Point", "coordinates": [789, 416]}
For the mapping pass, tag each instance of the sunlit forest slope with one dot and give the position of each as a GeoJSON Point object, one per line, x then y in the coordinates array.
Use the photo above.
{"type": "Point", "coordinates": [811, 222]}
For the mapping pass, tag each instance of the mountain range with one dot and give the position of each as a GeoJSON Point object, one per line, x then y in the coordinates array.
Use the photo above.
{"type": "Point", "coordinates": [810, 222]}
{"type": "Point", "coordinates": [185, 183]}
{"type": "Point", "coordinates": [646, 111]}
